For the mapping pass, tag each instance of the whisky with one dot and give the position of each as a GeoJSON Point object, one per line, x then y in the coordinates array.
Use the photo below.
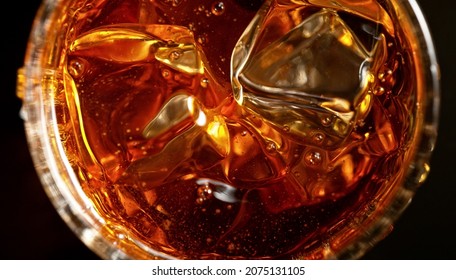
{"type": "Point", "coordinates": [237, 129]}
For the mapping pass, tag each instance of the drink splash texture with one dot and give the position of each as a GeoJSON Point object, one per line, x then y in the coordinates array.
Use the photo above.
{"type": "Point", "coordinates": [236, 129]}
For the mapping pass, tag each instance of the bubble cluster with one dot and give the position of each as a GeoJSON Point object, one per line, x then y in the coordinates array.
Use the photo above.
{"type": "Point", "coordinates": [204, 193]}
{"type": "Point", "coordinates": [313, 158]}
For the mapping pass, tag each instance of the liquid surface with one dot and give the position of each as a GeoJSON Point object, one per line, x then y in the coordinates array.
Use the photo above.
{"type": "Point", "coordinates": [236, 129]}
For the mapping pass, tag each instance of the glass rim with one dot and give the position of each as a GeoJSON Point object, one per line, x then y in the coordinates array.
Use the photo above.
{"type": "Point", "coordinates": [43, 139]}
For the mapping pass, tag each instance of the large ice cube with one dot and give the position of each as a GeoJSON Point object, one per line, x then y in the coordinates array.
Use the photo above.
{"type": "Point", "coordinates": [311, 77]}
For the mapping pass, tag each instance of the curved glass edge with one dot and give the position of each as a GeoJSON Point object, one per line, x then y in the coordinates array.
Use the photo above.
{"type": "Point", "coordinates": [37, 90]}
{"type": "Point", "coordinates": [58, 180]}
{"type": "Point", "coordinates": [43, 139]}
{"type": "Point", "coordinates": [419, 168]}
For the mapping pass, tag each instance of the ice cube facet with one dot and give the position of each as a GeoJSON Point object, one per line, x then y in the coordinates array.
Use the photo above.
{"type": "Point", "coordinates": [313, 77]}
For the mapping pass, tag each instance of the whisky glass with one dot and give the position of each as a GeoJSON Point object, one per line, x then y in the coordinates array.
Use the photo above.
{"type": "Point", "coordinates": [230, 129]}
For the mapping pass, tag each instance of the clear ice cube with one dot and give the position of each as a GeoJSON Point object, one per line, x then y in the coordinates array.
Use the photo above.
{"type": "Point", "coordinates": [173, 46]}
{"type": "Point", "coordinates": [311, 77]}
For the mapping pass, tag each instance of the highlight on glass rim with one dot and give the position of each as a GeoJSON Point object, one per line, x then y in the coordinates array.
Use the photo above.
{"type": "Point", "coordinates": [230, 129]}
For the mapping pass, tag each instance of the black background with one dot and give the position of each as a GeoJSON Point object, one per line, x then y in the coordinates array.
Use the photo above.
{"type": "Point", "coordinates": [31, 229]}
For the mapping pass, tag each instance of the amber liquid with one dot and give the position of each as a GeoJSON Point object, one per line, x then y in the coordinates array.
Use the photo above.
{"type": "Point", "coordinates": [277, 151]}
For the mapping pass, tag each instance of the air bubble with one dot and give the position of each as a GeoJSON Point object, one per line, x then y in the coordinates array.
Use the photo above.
{"type": "Point", "coordinates": [326, 121]}
{"type": "Point", "coordinates": [76, 68]}
{"type": "Point", "coordinates": [379, 91]}
{"type": "Point", "coordinates": [318, 138]}
{"type": "Point", "coordinates": [204, 82]}
{"type": "Point", "coordinates": [202, 39]}
{"type": "Point", "coordinates": [218, 8]}
{"type": "Point", "coordinates": [271, 147]}
{"type": "Point", "coordinates": [175, 55]}
{"type": "Point", "coordinates": [176, 3]}
{"type": "Point", "coordinates": [313, 158]}
{"type": "Point", "coordinates": [231, 247]}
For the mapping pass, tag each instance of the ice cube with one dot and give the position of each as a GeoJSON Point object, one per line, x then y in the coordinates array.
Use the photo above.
{"type": "Point", "coordinates": [189, 130]}
{"type": "Point", "coordinates": [368, 9]}
{"type": "Point", "coordinates": [173, 46]}
{"type": "Point", "coordinates": [311, 77]}
{"type": "Point", "coordinates": [173, 113]}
